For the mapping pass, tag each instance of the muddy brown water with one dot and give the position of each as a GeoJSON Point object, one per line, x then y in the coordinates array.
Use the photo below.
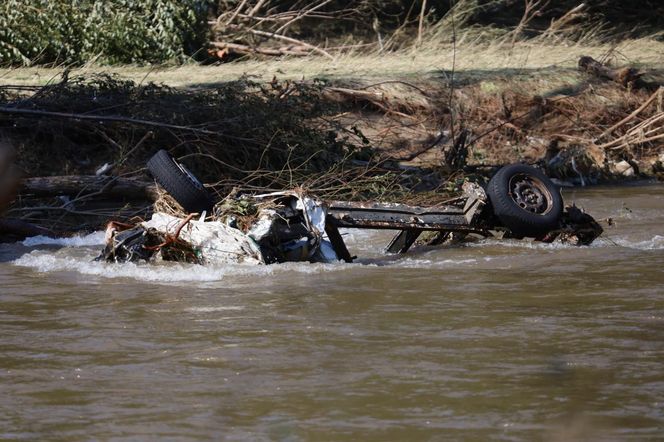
{"type": "Point", "coordinates": [492, 340]}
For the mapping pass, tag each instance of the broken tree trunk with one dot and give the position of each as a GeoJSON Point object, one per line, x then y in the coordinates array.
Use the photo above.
{"type": "Point", "coordinates": [88, 185]}
{"type": "Point", "coordinates": [9, 175]}
{"type": "Point", "coordinates": [16, 229]}
{"type": "Point", "coordinates": [388, 103]}
{"type": "Point", "coordinates": [627, 77]}
{"type": "Point", "coordinates": [235, 48]}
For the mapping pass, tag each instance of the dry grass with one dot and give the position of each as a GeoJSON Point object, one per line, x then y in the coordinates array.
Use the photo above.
{"type": "Point", "coordinates": [433, 62]}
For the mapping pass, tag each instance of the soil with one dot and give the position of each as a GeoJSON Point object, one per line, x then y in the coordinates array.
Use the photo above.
{"type": "Point", "coordinates": [398, 138]}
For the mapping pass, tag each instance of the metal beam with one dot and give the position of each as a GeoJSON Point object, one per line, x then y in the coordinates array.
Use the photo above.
{"type": "Point", "coordinates": [402, 241]}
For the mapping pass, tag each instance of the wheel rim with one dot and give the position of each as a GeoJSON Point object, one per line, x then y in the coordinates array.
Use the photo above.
{"type": "Point", "coordinates": [190, 175]}
{"type": "Point", "coordinates": [530, 194]}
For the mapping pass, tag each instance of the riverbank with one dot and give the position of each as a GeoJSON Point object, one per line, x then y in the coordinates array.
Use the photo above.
{"type": "Point", "coordinates": [470, 61]}
{"type": "Point", "coordinates": [391, 127]}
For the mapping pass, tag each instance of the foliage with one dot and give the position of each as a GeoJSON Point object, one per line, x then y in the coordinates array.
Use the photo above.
{"type": "Point", "coordinates": [114, 31]}
{"type": "Point", "coordinates": [154, 31]}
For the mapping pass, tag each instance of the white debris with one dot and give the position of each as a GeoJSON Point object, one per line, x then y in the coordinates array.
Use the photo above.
{"type": "Point", "coordinates": [623, 168]}
{"type": "Point", "coordinates": [216, 242]}
{"type": "Point", "coordinates": [219, 243]}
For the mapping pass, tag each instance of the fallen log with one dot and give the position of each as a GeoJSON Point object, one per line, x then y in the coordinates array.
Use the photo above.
{"type": "Point", "coordinates": [16, 230]}
{"type": "Point", "coordinates": [293, 41]}
{"type": "Point", "coordinates": [9, 175]}
{"type": "Point", "coordinates": [387, 103]}
{"type": "Point", "coordinates": [627, 77]}
{"type": "Point", "coordinates": [241, 49]}
{"type": "Point", "coordinates": [79, 186]}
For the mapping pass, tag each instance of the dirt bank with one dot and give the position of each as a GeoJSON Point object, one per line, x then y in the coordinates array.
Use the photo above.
{"type": "Point", "coordinates": [398, 138]}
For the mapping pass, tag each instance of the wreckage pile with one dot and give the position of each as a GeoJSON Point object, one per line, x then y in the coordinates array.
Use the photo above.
{"type": "Point", "coordinates": [243, 228]}
{"type": "Point", "coordinates": [189, 225]}
{"type": "Point", "coordinates": [256, 229]}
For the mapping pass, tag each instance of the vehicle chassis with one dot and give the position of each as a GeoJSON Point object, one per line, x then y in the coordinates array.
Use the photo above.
{"type": "Point", "coordinates": [470, 213]}
{"type": "Point", "coordinates": [519, 201]}
{"type": "Point", "coordinates": [461, 215]}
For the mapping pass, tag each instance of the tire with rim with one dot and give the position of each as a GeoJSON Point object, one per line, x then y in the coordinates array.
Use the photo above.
{"type": "Point", "coordinates": [180, 183]}
{"type": "Point", "coordinates": [525, 200]}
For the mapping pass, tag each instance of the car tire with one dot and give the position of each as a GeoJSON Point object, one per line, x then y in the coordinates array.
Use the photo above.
{"type": "Point", "coordinates": [180, 183]}
{"type": "Point", "coordinates": [525, 200]}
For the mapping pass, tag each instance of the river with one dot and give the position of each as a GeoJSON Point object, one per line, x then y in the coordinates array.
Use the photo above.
{"type": "Point", "coordinates": [494, 340]}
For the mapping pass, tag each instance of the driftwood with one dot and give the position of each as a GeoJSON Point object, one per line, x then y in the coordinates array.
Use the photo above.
{"type": "Point", "coordinates": [245, 28]}
{"type": "Point", "coordinates": [301, 45]}
{"type": "Point", "coordinates": [16, 229]}
{"type": "Point", "coordinates": [648, 102]}
{"type": "Point", "coordinates": [235, 48]}
{"type": "Point", "coordinates": [9, 175]}
{"type": "Point", "coordinates": [626, 77]}
{"type": "Point", "coordinates": [388, 103]}
{"type": "Point", "coordinates": [86, 186]}
{"type": "Point", "coordinates": [88, 202]}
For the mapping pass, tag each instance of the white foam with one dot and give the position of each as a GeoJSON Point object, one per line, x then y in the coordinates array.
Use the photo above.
{"type": "Point", "coordinates": [93, 239]}
{"type": "Point", "coordinates": [214, 309]}
{"type": "Point", "coordinates": [432, 263]}
{"type": "Point", "coordinates": [74, 257]}
{"type": "Point", "coordinates": [520, 244]}
{"type": "Point", "coordinates": [43, 261]}
{"type": "Point", "coordinates": [654, 243]}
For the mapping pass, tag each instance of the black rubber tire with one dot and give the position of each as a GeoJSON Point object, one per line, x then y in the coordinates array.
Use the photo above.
{"type": "Point", "coordinates": [543, 208]}
{"type": "Point", "coordinates": [181, 184]}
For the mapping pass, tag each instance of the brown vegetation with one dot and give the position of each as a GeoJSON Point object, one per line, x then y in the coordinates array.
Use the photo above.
{"type": "Point", "coordinates": [407, 140]}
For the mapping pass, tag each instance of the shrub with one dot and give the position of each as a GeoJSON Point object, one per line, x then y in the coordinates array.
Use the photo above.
{"type": "Point", "coordinates": [114, 31]}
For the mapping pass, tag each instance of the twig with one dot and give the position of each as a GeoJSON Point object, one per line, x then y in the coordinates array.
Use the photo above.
{"type": "Point", "coordinates": [529, 13]}
{"type": "Point", "coordinates": [558, 24]}
{"type": "Point", "coordinates": [256, 8]}
{"type": "Point", "coordinates": [172, 238]}
{"type": "Point", "coordinates": [646, 140]}
{"type": "Point", "coordinates": [113, 118]}
{"type": "Point", "coordinates": [632, 115]}
{"type": "Point", "coordinates": [291, 40]}
{"type": "Point", "coordinates": [236, 12]}
{"type": "Point", "coordinates": [147, 135]}
{"type": "Point", "coordinates": [302, 15]}
{"type": "Point", "coordinates": [420, 27]}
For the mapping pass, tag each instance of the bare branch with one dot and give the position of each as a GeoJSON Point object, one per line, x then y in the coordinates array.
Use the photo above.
{"type": "Point", "coordinates": [301, 15]}
{"type": "Point", "coordinates": [236, 12]}
{"type": "Point", "coordinates": [420, 27]}
{"type": "Point", "coordinates": [292, 40]}
{"type": "Point", "coordinates": [256, 8]}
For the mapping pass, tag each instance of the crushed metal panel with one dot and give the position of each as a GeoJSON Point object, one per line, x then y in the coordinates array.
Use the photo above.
{"type": "Point", "coordinates": [475, 202]}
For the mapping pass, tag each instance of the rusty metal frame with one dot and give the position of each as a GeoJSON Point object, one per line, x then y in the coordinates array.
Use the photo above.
{"type": "Point", "coordinates": [458, 215]}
